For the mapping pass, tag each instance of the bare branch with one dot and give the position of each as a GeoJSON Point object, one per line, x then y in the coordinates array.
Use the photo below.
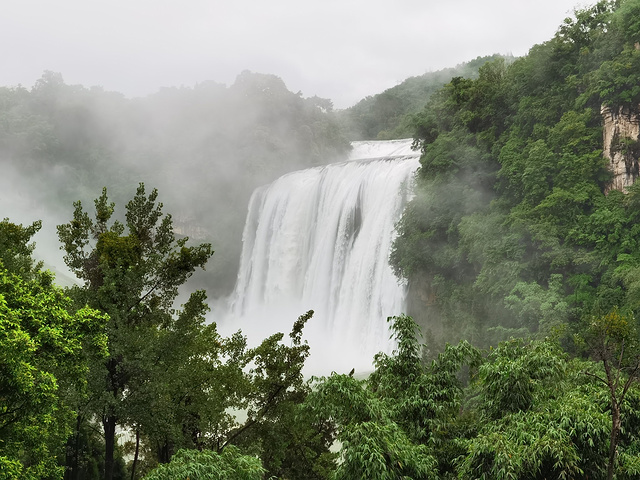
{"type": "Point", "coordinates": [615, 385]}
{"type": "Point", "coordinates": [596, 377]}
{"type": "Point", "coordinates": [630, 380]}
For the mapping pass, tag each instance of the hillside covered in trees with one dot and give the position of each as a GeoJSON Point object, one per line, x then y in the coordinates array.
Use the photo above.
{"type": "Point", "coordinates": [514, 228]}
{"type": "Point", "coordinates": [519, 246]}
{"type": "Point", "coordinates": [388, 115]}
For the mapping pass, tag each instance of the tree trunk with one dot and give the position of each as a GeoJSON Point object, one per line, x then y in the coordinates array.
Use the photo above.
{"type": "Point", "coordinates": [135, 456]}
{"type": "Point", "coordinates": [109, 425]}
{"type": "Point", "coordinates": [72, 454]}
{"type": "Point", "coordinates": [613, 443]}
{"type": "Point", "coordinates": [165, 451]}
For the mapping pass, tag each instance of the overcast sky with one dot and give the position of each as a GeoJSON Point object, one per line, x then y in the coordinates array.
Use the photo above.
{"type": "Point", "coordinates": [338, 49]}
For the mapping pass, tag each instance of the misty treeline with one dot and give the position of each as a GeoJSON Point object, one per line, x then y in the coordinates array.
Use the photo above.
{"type": "Point", "coordinates": [207, 148]}
{"type": "Point", "coordinates": [510, 231]}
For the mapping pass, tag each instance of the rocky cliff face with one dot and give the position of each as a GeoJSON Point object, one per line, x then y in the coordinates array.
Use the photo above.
{"type": "Point", "coordinates": [621, 132]}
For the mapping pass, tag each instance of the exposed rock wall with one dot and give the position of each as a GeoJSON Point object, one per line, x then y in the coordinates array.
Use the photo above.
{"type": "Point", "coordinates": [621, 133]}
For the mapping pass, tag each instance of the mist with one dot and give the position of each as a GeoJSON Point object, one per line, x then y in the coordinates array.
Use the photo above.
{"type": "Point", "coordinates": [204, 148]}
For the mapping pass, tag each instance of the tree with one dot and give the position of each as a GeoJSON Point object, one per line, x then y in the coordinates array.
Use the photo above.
{"type": "Point", "coordinates": [290, 441]}
{"type": "Point", "coordinates": [170, 377]}
{"type": "Point", "coordinates": [538, 416]}
{"type": "Point", "coordinates": [372, 444]}
{"type": "Point", "coordinates": [132, 273]}
{"type": "Point", "coordinates": [205, 379]}
{"type": "Point", "coordinates": [15, 249]}
{"type": "Point", "coordinates": [400, 422]}
{"type": "Point", "coordinates": [185, 400]}
{"type": "Point", "coordinates": [44, 350]}
{"type": "Point", "coordinates": [612, 340]}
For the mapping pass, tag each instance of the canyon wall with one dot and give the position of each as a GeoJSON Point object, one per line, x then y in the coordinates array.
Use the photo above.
{"type": "Point", "coordinates": [621, 132]}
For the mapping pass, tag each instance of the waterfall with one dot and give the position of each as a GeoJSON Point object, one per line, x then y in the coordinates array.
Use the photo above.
{"type": "Point", "coordinates": [320, 239]}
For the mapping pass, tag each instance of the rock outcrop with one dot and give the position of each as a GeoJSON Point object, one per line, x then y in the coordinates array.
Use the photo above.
{"type": "Point", "coordinates": [621, 135]}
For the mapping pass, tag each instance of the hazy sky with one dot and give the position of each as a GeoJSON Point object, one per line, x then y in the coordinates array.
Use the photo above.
{"type": "Point", "coordinates": [338, 49]}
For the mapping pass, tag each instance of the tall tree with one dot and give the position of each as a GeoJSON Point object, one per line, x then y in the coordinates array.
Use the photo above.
{"type": "Point", "coordinates": [131, 271]}
{"type": "Point", "coordinates": [289, 441]}
{"type": "Point", "coordinates": [44, 347]}
{"type": "Point", "coordinates": [612, 340]}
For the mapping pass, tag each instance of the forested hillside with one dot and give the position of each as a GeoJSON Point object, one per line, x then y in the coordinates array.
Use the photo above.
{"type": "Point", "coordinates": [511, 231]}
{"type": "Point", "coordinates": [388, 115]}
{"type": "Point", "coordinates": [206, 147]}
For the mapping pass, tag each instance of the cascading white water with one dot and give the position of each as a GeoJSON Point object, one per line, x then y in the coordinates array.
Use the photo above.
{"type": "Point", "coordinates": [320, 239]}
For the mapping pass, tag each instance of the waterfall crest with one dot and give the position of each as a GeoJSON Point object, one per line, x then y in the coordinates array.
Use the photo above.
{"type": "Point", "coordinates": [320, 239]}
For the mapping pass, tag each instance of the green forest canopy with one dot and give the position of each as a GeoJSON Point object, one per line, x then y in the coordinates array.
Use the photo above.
{"type": "Point", "coordinates": [525, 409]}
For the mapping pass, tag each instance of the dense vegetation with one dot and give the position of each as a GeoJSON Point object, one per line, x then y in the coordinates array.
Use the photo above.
{"type": "Point", "coordinates": [510, 245]}
{"type": "Point", "coordinates": [114, 353]}
{"type": "Point", "coordinates": [71, 374]}
{"type": "Point", "coordinates": [510, 232]}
